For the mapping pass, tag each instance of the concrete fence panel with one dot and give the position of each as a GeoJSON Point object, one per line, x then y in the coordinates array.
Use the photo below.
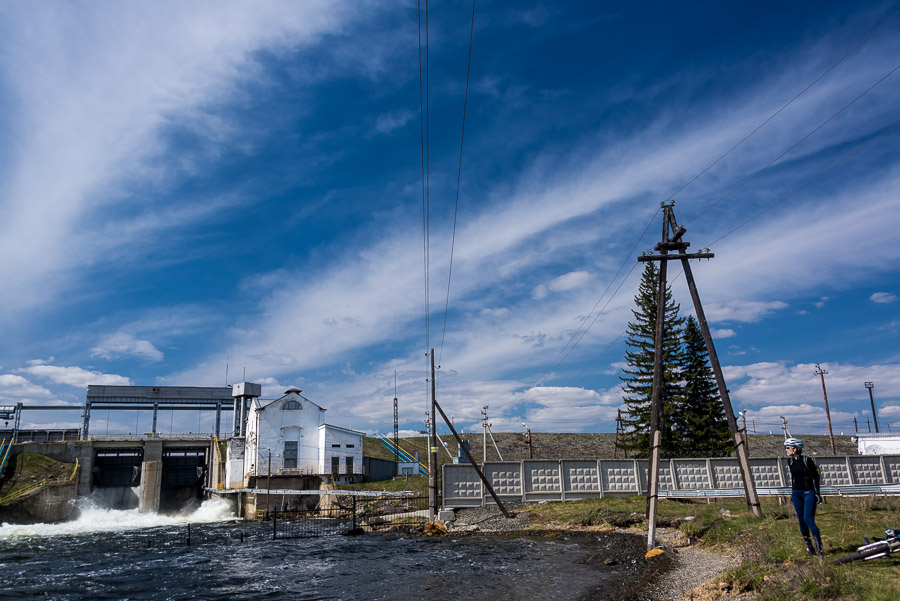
{"type": "Point", "coordinates": [542, 481]}
{"type": "Point", "coordinates": [867, 469]}
{"type": "Point", "coordinates": [619, 477]}
{"type": "Point", "coordinates": [581, 479]}
{"type": "Point", "coordinates": [546, 480]}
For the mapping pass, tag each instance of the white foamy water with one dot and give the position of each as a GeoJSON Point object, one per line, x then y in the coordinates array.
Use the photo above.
{"type": "Point", "coordinates": [97, 519]}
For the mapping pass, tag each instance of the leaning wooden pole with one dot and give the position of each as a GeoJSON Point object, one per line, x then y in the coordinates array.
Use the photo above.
{"type": "Point", "coordinates": [740, 442]}
{"type": "Point", "coordinates": [465, 449]}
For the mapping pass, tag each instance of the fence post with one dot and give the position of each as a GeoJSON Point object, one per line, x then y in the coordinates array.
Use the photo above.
{"type": "Point", "coordinates": [274, 523]}
{"type": "Point", "coordinates": [189, 536]}
{"type": "Point", "coordinates": [354, 512]}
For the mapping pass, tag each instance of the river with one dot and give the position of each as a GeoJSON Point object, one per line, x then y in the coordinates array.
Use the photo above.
{"type": "Point", "coordinates": [123, 554]}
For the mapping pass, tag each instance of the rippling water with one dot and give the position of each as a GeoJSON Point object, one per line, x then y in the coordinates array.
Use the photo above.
{"type": "Point", "coordinates": [115, 555]}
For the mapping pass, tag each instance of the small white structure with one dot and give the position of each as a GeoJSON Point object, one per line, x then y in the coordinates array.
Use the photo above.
{"type": "Point", "coordinates": [289, 436]}
{"type": "Point", "coordinates": [878, 444]}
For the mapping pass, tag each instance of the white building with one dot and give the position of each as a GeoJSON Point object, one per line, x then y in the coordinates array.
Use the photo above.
{"type": "Point", "coordinates": [878, 444]}
{"type": "Point", "coordinates": [291, 433]}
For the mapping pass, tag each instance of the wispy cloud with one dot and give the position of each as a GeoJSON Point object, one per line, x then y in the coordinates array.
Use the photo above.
{"type": "Point", "coordinates": [883, 297]}
{"type": "Point", "coordinates": [75, 376]}
{"type": "Point", "coordinates": [121, 344]}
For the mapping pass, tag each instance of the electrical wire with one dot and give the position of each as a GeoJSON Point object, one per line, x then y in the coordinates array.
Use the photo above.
{"type": "Point", "coordinates": [462, 138]}
{"type": "Point", "coordinates": [570, 345]}
{"type": "Point", "coordinates": [846, 158]}
{"type": "Point", "coordinates": [423, 135]}
{"type": "Point", "coordinates": [776, 113]}
{"type": "Point", "coordinates": [794, 145]}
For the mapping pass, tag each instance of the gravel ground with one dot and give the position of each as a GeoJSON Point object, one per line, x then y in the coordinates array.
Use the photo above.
{"type": "Point", "coordinates": [692, 573]}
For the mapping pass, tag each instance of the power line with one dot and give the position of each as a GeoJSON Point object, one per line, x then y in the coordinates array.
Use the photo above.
{"type": "Point", "coordinates": [570, 345]}
{"type": "Point", "coordinates": [423, 145]}
{"type": "Point", "coordinates": [462, 138]}
{"type": "Point", "coordinates": [775, 114]}
{"type": "Point", "coordinates": [809, 182]}
{"type": "Point", "coordinates": [794, 145]}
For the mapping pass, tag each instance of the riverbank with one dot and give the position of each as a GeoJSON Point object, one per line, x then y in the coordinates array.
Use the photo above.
{"type": "Point", "coordinates": [681, 571]}
{"type": "Point", "coordinates": [715, 550]}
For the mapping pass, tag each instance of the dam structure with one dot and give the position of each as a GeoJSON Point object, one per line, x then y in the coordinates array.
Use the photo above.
{"type": "Point", "coordinates": [158, 472]}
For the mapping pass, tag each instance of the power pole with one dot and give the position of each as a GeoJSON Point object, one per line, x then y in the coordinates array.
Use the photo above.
{"type": "Point", "coordinates": [869, 425]}
{"type": "Point", "coordinates": [855, 425]}
{"type": "Point", "coordinates": [821, 372]}
{"type": "Point", "coordinates": [743, 415]}
{"type": "Point", "coordinates": [432, 452]}
{"type": "Point", "coordinates": [870, 386]}
{"type": "Point", "coordinates": [528, 440]}
{"type": "Point", "coordinates": [396, 424]}
{"type": "Point", "coordinates": [618, 426]}
{"type": "Point", "coordinates": [787, 433]}
{"type": "Point", "coordinates": [484, 428]}
{"type": "Point", "coordinates": [675, 243]}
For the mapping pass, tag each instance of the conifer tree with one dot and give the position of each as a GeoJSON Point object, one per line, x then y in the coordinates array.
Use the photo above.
{"type": "Point", "coordinates": [700, 423]}
{"type": "Point", "coordinates": [638, 378]}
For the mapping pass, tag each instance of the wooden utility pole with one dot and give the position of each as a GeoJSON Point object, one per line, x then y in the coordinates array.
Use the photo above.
{"type": "Point", "coordinates": [821, 372]}
{"type": "Point", "coordinates": [396, 424]}
{"type": "Point", "coordinates": [432, 452]}
{"type": "Point", "coordinates": [870, 386]}
{"type": "Point", "coordinates": [676, 244]}
{"type": "Point", "coordinates": [528, 441]}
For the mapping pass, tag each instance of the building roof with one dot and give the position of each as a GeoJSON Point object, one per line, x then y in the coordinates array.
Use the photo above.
{"type": "Point", "coordinates": [290, 392]}
{"type": "Point", "coordinates": [348, 430]}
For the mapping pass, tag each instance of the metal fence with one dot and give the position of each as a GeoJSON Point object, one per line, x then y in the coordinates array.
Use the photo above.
{"type": "Point", "coordinates": [561, 480]}
{"type": "Point", "coordinates": [350, 515]}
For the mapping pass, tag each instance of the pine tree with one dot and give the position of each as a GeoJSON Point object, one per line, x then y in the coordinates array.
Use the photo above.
{"type": "Point", "coordinates": [638, 378]}
{"type": "Point", "coordinates": [700, 424]}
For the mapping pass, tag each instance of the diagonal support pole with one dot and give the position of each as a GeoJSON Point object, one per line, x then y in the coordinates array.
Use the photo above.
{"type": "Point", "coordinates": [740, 443]}
{"type": "Point", "coordinates": [471, 459]}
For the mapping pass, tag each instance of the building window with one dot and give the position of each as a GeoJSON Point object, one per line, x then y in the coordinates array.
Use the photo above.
{"type": "Point", "coordinates": [291, 406]}
{"type": "Point", "coordinates": [335, 465]}
{"type": "Point", "coordinates": [349, 465]}
{"type": "Point", "coordinates": [351, 446]}
{"type": "Point", "coordinates": [290, 454]}
{"type": "Point", "coordinates": [335, 446]}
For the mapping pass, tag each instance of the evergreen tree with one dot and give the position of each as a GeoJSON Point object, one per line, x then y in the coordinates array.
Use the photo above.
{"type": "Point", "coordinates": [700, 423]}
{"type": "Point", "coordinates": [638, 378]}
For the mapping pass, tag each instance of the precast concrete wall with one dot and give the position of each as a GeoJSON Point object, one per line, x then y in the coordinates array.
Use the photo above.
{"type": "Point", "coordinates": [567, 479]}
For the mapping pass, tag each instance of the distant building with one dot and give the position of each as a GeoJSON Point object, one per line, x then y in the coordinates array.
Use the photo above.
{"type": "Point", "coordinates": [289, 436]}
{"type": "Point", "coordinates": [878, 444]}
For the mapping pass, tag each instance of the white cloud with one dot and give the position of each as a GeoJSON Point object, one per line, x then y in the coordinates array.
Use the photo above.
{"type": "Point", "coordinates": [121, 344]}
{"type": "Point", "coordinates": [76, 376]}
{"type": "Point", "coordinates": [723, 333]}
{"type": "Point", "coordinates": [569, 281]}
{"type": "Point", "coordinates": [15, 388]}
{"type": "Point", "coordinates": [883, 297]}
{"type": "Point", "coordinates": [92, 94]}
{"type": "Point", "coordinates": [745, 311]}
{"type": "Point", "coordinates": [388, 122]}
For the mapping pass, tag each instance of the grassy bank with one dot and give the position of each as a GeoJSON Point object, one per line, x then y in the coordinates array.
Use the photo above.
{"type": "Point", "coordinates": [774, 562]}
{"type": "Point", "coordinates": [26, 469]}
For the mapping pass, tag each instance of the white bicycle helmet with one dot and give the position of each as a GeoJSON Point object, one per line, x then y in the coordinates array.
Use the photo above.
{"type": "Point", "coordinates": [793, 442]}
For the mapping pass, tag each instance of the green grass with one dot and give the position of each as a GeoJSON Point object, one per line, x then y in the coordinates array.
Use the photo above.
{"type": "Point", "coordinates": [415, 484]}
{"type": "Point", "coordinates": [775, 563]}
{"type": "Point", "coordinates": [26, 469]}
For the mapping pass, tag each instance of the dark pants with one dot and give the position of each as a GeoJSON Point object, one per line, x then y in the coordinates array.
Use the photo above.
{"type": "Point", "coordinates": [805, 505]}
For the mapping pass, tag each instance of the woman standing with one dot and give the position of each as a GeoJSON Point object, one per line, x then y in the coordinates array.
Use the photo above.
{"type": "Point", "coordinates": [804, 493]}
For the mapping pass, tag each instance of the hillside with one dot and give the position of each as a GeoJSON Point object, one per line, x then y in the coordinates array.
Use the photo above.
{"type": "Point", "coordinates": [546, 445]}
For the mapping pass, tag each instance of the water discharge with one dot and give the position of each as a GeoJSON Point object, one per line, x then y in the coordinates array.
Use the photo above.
{"type": "Point", "coordinates": [94, 518]}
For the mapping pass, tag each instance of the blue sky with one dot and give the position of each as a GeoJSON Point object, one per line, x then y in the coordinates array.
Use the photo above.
{"type": "Point", "coordinates": [186, 187]}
